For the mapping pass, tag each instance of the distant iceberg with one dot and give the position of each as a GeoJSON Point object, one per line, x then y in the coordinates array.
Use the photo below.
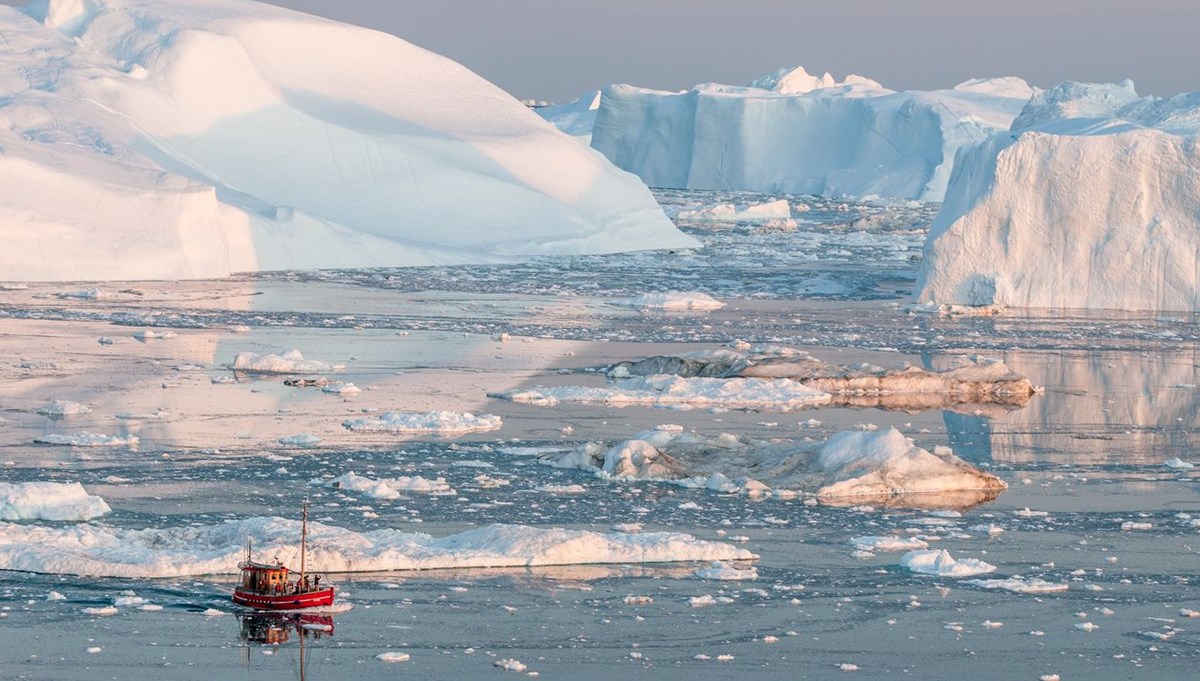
{"type": "Point", "coordinates": [163, 139]}
{"type": "Point", "coordinates": [792, 132]}
{"type": "Point", "coordinates": [1092, 200]}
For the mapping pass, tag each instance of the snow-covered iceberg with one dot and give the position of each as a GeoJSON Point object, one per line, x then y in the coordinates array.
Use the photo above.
{"type": "Point", "coordinates": [795, 133]}
{"type": "Point", "coordinates": [194, 138]}
{"type": "Point", "coordinates": [1092, 200]}
{"type": "Point", "coordinates": [851, 467]}
{"type": "Point", "coordinates": [90, 549]}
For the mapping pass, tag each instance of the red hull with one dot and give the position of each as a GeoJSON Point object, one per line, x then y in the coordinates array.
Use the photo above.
{"type": "Point", "coordinates": [311, 599]}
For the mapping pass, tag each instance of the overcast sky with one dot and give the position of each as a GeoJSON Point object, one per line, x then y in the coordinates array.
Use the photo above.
{"type": "Point", "coordinates": [555, 49]}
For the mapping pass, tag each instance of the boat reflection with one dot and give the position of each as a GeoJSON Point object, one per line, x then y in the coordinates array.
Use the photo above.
{"type": "Point", "coordinates": [275, 628]}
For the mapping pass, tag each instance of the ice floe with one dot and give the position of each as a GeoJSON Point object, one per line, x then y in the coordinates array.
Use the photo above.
{"type": "Point", "coordinates": [49, 501]}
{"type": "Point", "coordinates": [1018, 584]}
{"type": "Point", "coordinates": [941, 563]}
{"type": "Point", "coordinates": [722, 571]}
{"type": "Point", "coordinates": [287, 362]}
{"type": "Point", "coordinates": [674, 300]}
{"type": "Point", "coordinates": [91, 549]}
{"type": "Point", "coordinates": [875, 544]}
{"type": "Point", "coordinates": [851, 467]}
{"type": "Point", "coordinates": [975, 381]}
{"type": "Point", "coordinates": [58, 408]}
{"type": "Point", "coordinates": [730, 212]}
{"type": "Point", "coordinates": [433, 422]}
{"type": "Point", "coordinates": [676, 391]}
{"type": "Point", "coordinates": [389, 488]}
{"type": "Point", "coordinates": [87, 439]}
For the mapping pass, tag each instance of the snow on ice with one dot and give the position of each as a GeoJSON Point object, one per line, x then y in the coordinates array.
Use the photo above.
{"type": "Point", "coordinates": [1090, 201]}
{"type": "Point", "coordinates": [49, 501]}
{"type": "Point", "coordinates": [260, 138]}
{"type": "Point", "coordinates": [794, 133]}
{"type": "Point", "coordinates": [96, 550]}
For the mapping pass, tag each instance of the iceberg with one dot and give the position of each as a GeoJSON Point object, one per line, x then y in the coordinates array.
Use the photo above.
{"type": "Point", "coordinates": [166, 139]}
{"type": "Point", "coordinates": [1091, 200]}
{"type": "Point", "coordinates": [790, 132]}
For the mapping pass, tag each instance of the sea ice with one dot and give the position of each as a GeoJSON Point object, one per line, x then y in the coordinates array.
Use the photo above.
{"type": "Point", "coordinates": [95, 550]}
{"type": "Point", "coordinates": [1018, 584]}
{"type": "Point", "coordinates": [675, 301]}
{"type": "Point", "coordinates": [86, 439]}
{"type": "Point", "coordinates": [389, 488]}
{"type": "Point", "coordinates": [64, 408]}
{"type": "Point", "coordinates": [286, 362]}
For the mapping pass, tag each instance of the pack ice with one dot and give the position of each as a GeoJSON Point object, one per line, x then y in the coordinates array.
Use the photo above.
{"type": "Point", "coordinates": [162, 139]}
{"type": "Point", "coordinates": [1092, 200]}
{"type": "Point", "coordinates": [797, 133]}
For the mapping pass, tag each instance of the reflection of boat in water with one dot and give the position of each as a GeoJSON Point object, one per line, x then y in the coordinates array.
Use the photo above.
{"type": "Point", "coordinates": [269, 586]}
{"type": "Point", "coordinates": [274, 628]}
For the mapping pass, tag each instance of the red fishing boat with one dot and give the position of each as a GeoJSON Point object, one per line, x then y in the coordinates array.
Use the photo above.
{"type": "Point", "coordinates": [271, 586]}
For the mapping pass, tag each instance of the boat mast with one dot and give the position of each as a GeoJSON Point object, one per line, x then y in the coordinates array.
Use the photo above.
{"type": "Point", "coordinates": [303, 538]}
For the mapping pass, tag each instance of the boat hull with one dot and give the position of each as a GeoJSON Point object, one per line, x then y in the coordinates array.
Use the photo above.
{"type": "Point", "coordinates": [311, 599]}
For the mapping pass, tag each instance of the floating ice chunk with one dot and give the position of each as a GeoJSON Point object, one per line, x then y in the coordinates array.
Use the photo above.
{"type": "Point", "coordinates": [674, 301]}
{"type": "Point", "coordinates": [1191, 614]}
{"type": "Point", "coordinates": [85, 294]}
{"type": "Point", "coordinates": [433, 422]}
{"type": "Point", "coordinates": [300, 440]}
{"type": "Point", "coordinates": [702, 601]}
{"type": "Point", "coordinates": [394, 657]}
{"type": "Point", "coordinates": [989, 529]}
{"type": "Point", "coordinates": [49, 501]}
{"type": "Point", "coordinates": [638, 600]}
{"type": "Point", "coordinates": [510, 665]}
{"type": "Point", "coordinates": [64, 408]}
{"type": "Point", "coordinates": [727, 573]}
{"type": "Point", "coordinates": [1087, 626]}
{"type": "Point", "coordinates": [888, 543]}
{"type": "Point", "coordinates": [1130, 526]}
{"type": "Point", "coordinates": [729, 212]}
{"type": "Point", "coordinates": [941, 563]}
{"type": "Point", "coordinates": [1178, 464]}
{"type": "Point", "coordinates": [848, 667]}
{"type": "Point", "coordinates": [86, 439]}
{"type": "Point", "coordinates": [390, 488]}
{"type": "Point", "coordinates": [55, 596]}
{"type": "Point", "coordinates": [154, 335]}
{"type": "Point", "coordinates": [666, 390]}
{"type": "Point", "coordinates": [287, 362]}
{"type": "Point", "coordinates": [341, 389]}
{"type": "Point", "coordinates": [104, 611]}
{"type": "Point", "coordinates": [94, 649]}
{"type": "Point", "coordinates": [562, 489]}
{"type": "Point", "coordinates": [213, 612]}
{"type": "Point", "coordinates": [215, 549]}
{"type": "Point", "coordinates": [1018, 584]}
{"type": "Point", "coordinates": [1027, 513]}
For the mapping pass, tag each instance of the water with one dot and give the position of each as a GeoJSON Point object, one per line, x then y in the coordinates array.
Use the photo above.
{"type": "Point", "coordinates": [1120, 399]}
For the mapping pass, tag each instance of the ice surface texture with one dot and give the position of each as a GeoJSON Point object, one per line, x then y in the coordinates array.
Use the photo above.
{"type": "Point", "coordinates": [158, 139]}
{"type": "Point", "coordinates": [1092, 200]}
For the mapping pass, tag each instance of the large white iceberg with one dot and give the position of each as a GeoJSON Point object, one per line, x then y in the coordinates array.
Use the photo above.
{"type": "Point", "coordinates": [1092, 200]}
{"type": "Point", "coordinates": [195, 138]}
{"type": "Point", "coordinates": [796, 133]}
{"type": "Point", "coordinates": [49, 501]}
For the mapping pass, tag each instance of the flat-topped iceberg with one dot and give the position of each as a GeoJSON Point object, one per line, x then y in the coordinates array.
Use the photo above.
{"type": "Point", "coordinates": [797, 133]}
{"type": "Point", "coordinates": [1092, 200]}
{"type": "Point", "coordinates": [96, 550]}
{"type": "Point", "coordinates": [164, 139]}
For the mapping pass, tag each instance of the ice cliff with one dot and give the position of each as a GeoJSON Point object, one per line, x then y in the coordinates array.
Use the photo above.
{"type": "Point", "coordinates": [194, 138]}
{"type": "Point", "coordinates": [1092, 200]}
{"type": "Point", "coordinates": [793, 132]}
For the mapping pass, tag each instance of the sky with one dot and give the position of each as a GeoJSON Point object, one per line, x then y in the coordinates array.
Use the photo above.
{"type": "Point", "coordinates": [556, 49]}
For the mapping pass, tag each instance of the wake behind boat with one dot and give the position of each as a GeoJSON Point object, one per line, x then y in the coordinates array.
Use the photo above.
{"type": "Point", "coordinates": [270, 586]}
